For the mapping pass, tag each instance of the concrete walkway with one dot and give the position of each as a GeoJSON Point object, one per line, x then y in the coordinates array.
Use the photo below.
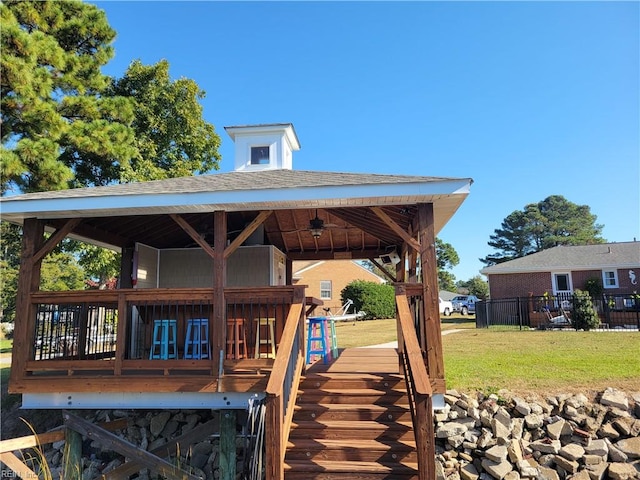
{"type": "Point", "coordinates": [394, 344]}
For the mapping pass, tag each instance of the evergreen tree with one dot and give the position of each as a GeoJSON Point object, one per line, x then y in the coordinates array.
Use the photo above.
{"type": "Point", "coordinates": [551, 222]}
{"type": "Point", "coordinates": [53, 111]}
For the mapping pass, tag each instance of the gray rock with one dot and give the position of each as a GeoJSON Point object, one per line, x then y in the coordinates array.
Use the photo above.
{"type": "Point", "coordinates": [597, 472]}
{"type": "Point", "coordinates": [497, 470]}
{"type": "Point", "coordinates": [521, 406]}
{"type": "Point", "coordinates": [581, 475]}
{"type": "Point", "coordinates": [528, 468]}
{"type": "Point", "coordinates": [469, 472]}
{"type": "Point", "coordinates": [622, 471]}
{"type": "Point", "coordinates": [572, 451]}
{"type": "Point", "coordinates": [158, 423]}
{"type": "Point", "coordinates": [517, 428]}
{"type": "Point", "coordinates": [514, 451]}
{"type": "Point", "coordinates": [569, 466]}
{"type": "Point", "coordinates": [546, 473]}
{"type": "Point", "coordinates": [450, 429]}
{"type": "Point", "coordinates": [607, 431]}
{"type": "Point", "coordinates": [533, 421]}
{"type": "Point", "coordinates": [500, 430]}
{"type": "Point", "coordinates": [544, 446]}
{"type": "Point", "coordinates": [597, 447]}
{"type": "Point", "coordinates": [614, 398]}
{"type": "Point", "coordinates": [497, 453]}
{"type": "Point", "coordinates": [630, 446]}
{"type": "Point", "coordinates": [558, 428]}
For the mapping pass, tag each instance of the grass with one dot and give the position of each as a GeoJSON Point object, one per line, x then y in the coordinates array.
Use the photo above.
{"type": "Point", "coordinates": [520, 361]}
{"type": "Point", "coordinates": [5, 346]}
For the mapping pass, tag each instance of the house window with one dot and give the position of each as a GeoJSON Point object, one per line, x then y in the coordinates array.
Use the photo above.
{"type": "Point", "coordinates": [260, 155]}
{"type": "Point", "coordinates": [561, 283]}
{"type": "Point", "coordinates": [610, 278]}
{"type": "Point", "coordinates": [325, 289]}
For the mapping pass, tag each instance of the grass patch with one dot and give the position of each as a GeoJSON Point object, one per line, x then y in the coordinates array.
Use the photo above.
{"type": "Point", "coordinates": [530, 361]}
{"type": "Point", "coordinates": [6, 346]}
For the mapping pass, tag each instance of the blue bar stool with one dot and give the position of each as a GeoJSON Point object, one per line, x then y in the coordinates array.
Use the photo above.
{"type": "Point", "coordinates": [196, 341]}
{"type": "Point", "coordinates": [317, 339]}
{"type": "Point", "coordinates": [334, 338]}
{"type": "Point", "coordinates": [165, 333]}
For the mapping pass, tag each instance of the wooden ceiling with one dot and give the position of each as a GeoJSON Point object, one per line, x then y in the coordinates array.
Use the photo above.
{"type": "Point", "coordinates": [350, 232]}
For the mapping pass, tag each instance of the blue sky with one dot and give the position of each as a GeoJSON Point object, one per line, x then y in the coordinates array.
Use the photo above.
{"type": "Point", "coordinates": [529, 99]}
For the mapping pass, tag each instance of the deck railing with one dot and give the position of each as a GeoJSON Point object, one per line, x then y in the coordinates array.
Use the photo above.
{"type": "Point", "coordinates": [417, 380]}
{"type": "Point", "coordinates": [111, 331]}
{"type": "Point", "coordinates": [282, 388]}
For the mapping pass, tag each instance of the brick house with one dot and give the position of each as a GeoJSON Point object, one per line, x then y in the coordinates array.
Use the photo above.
{"type": "Point", "coordinates": [326, 279]}
{"type": "Point", "coordinates": [563, 269]}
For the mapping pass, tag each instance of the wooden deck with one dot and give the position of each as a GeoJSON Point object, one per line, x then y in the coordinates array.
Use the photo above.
{"type": "Point", "coordinates": [360, 360]}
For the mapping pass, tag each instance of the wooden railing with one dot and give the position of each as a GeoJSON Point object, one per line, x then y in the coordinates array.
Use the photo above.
{"type": "Point", "coordinates": [418, 385]}
{"type": "Point", "coordinates": [282, 388]}
{"type": "Point", "coordinates": [111, 330]}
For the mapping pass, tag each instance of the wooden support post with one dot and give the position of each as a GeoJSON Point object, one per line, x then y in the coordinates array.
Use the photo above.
{"type": "Point", "coordinates": [218, 327]}
{"type": "Point", "coordinates": [433, 334]}
{"type": "Point", "coordinates": [72, 455]}
{"type": "Point", "coordinates": [227, 444]}
{"type": "Point", "coordinates": [28, 281]}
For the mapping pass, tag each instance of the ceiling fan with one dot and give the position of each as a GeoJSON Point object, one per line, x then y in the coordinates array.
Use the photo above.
{"type": "Point", "coordinates": [317, 226]}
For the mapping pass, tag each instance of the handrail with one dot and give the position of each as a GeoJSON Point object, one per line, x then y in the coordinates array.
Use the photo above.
{"type": "Point", "coordinates": [282, 387]}
{"type": "Point", "coordinates": [418, 386]}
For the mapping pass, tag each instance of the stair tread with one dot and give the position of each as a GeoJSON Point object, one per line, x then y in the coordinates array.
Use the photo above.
{"type": "Point", "coordinates": [352, 406]}
{"type": "Point", "coordinates": [349, 424]}
{"type": "Point", "coordinates": [350, 444]}
{"type": "Point", "coordinates": [352, 391]}
{"type": "Point", "coordinates": [348, 467]}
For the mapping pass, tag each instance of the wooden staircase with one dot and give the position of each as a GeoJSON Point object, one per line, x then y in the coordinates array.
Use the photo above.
{"type": "Point", "coordinates": [351, 426]}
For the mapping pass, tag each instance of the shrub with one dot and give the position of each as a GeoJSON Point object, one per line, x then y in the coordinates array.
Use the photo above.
{"type": "Point", "coordinates": [594, 287]}
{"type": "Point", "coordinates": [584, 316]}
{"type": "Point", "coordinates": [377, 300]}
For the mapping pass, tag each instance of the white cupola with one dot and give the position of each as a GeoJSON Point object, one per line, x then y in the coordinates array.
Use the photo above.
{"type": "Point", "coordinates": [264, 147]}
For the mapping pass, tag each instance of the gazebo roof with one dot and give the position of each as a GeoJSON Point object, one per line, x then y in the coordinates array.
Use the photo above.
{"type": "Point", "coordinates": [118, 214]}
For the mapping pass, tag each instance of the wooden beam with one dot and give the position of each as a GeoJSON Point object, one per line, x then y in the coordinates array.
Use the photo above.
{"type": "Point", "coordinates": [72, 455]}
{"type": "Point", "coordinates": [193, 233]}
{"type": "Point", "coordinates": [113, 442]}
{"type": "Point", "coordinates": [17, 466]}
{"type": "Point", "coordinates": [227, 444]}
{"type": "Point", "coordinates": [412, 242]}
{"type": "Point", "coordinates": [184, 442]}
{"type": "Point", "coordinates": [28, 281]}
{"type": "Point", "coordinates": [218, 327]}
{"type": "Point", "coordinates": [383, 270]}
{"type": "Point", "coordinates": [56, 238]}
{"type": "Point", "coordinates": [433, 337]}
{"type": "Point", "coordinates": [246, 233]}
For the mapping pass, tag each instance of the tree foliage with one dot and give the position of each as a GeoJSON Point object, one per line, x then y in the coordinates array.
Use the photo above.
{"type": "Point", "coordinates": [474, 286]}
{"type": "Point", "coordinates": [53, 110]}
{"type": "Point", "coordinates": [446, 259]}
{"type": "Point", "coordinates": [583, 315]}
{"type": "Point", "coordinates": [376, 299]}
{"type": "Point", "coordinates": [551, 222]}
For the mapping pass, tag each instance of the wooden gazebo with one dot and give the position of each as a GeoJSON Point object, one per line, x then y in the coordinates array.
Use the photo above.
{"type": "Point", "coordinates": [180, 241]}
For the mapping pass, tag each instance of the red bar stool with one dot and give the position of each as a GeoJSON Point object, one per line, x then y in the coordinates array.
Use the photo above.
{"type": "Point", "coordinates": [236, 338]}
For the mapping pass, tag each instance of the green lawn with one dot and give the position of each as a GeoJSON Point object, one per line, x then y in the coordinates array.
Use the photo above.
{"type": "Point", "coordinates": [521, 361]}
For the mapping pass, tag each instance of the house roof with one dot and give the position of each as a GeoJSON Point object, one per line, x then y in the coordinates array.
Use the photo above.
{"type": "Point", "coordinates": [304, 266]}
{"type": "Point", "coordinates": [583, 257]}
{"type": "Point", "coordinates": [116, 215]}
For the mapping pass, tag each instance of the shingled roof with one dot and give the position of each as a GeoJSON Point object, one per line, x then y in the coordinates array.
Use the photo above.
{"type": "Point", "coordinates": [583, 257]}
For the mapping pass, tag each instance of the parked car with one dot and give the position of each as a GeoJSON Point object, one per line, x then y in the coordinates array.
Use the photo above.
{"type": "Point", "coordinates": [446, 307]}
{"type": "Point", "coordinates": [465, 304]}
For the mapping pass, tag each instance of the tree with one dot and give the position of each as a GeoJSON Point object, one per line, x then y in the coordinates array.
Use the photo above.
{"type": "Point", "coordinates": [446, 258]}
{"type": "Point", "coordinates": [53, 110]}
{"type": "Point", "coordinates": [375, 299]}
{"type": "Point", "coordinates": [474, 286]}
{"type": "Point", "coordinates": [551, 222]}
{"type": "Point", "coordinates": [171, 136]}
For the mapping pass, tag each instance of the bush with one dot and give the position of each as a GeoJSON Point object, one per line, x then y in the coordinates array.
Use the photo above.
{"type": "Point", "coordinates": [377, 300]}
{"type": "Point", "coordinates": [584, 316]}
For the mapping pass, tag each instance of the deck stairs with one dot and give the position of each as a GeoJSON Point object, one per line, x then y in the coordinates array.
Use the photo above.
{"type": "Point", "coordinates": [354, 426]}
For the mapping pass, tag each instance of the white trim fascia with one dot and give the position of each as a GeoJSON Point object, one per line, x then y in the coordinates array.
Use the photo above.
{"type": "Point", "coordinates": [574, 268]}
{"type": "Point", "coordinates": [234, 200]}
{"type": "Point", "coordinates": [132, 400]}
{"type": "Point", "coordinates": [308, 267]}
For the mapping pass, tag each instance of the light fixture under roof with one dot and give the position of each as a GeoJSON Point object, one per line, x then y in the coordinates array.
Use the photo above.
{"type": "Point", "coordinates": [316, 226]}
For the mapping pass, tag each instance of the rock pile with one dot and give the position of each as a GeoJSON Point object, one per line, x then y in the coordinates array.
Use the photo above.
{"type": "Point", "coordinates": [559, 438]}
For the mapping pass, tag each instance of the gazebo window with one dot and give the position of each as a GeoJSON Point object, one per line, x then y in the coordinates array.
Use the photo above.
{"type": "Point", "coordinates": [260, 155]}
